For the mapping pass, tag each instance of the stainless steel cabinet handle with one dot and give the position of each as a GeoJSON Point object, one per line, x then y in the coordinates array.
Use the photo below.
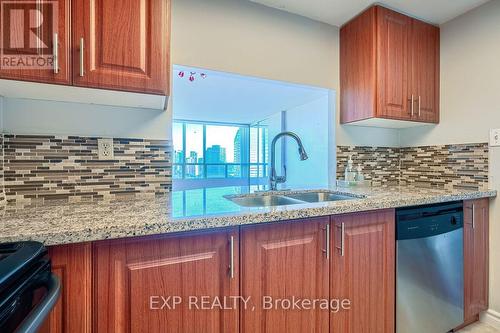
{"type": "Point", "coordinates": [327, 240]}
{"type": "Point", "coordinates": [55, 52]}
{"type": "Point", "coordinates": [82, 46]}
{"type": "Point", "coordinates": [231, 258]}
{"type": "Point", "coordinates": [342, 238]}
{"type": "Point", "coordinates": [419, 106]}
{"type": "Point", "coordinates": [412, 108]}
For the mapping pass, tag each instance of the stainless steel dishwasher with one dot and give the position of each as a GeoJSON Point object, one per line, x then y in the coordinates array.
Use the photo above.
{"type": "Point", "coordinates": [429, 268]}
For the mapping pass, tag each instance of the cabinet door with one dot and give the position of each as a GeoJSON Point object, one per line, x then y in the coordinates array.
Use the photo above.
{"type": "Point", "coordinates": [134, 278]}
{"type": "Point", "coordinates": [358, 68]}
{"type": "Point", "coordinates": [363, 271]}
{"type": "Point", "coordinates": [424, 48]}
{"type": "Point", "coordinates": [393, 31]}
{"type": "Point", "coordinates": [282, 261]}
{"type": "Point", "coordinates": [72, 312]}
{"type": "Point", "coordinates": [476, 261]}
{"type": "Point", "coordinates": [33, 44]}
{"type": "Point", "coordinates": [125, 44]}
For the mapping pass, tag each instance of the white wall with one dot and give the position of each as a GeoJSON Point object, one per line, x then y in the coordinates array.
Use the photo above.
{"type": "Point", "coordinates": [274, 126]}
{"type": "Point", "coordinates": [1, 113]}
{"type": "Point", "coordinates": [470, 92]}
{"type": "Point", "coordinates": [366, 136]}
{"type": "Point", "coordinates": [24, 116]}
{"type": "Point", "coordinates": [242, 37]}
{"type": "Point", "coordinates": [470, 80]}
{"type": "Point", "coordinates": [311, 122]}
{"type": "Point", "coordinates": [317, 169]}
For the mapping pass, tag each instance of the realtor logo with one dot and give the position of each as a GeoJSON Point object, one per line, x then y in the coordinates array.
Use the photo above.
{"type": "Point", "coordinates": [27, 34]}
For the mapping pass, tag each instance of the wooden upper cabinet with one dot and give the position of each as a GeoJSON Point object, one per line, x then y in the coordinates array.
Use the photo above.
{"type": "Point", "coordinates": [358, 68]}
{"type": "Point", "coordinates": [389, 69]}
{"type": "Point", "coordinates": [282, 261]}
{"type": "Point", "coordinates": [41, 44]}
{"type": "Point", "coordinates": [122, 45]}
{"type": "Point", "coordinates": [476, 258]}
{"type": "Point", "coordinates": [134, 279]}
{"type": "Point", "coordinates": [393, 64]}
{"type": "Point", "coordinates": [363, 271]}
{"type": "Point", "coordinates": [73, 311]}
{"type": "Point", "coordinates": [425, 71]}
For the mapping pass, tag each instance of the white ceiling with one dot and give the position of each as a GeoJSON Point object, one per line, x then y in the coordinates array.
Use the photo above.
{"type": "Point", "coordinates": [222, 97]}
{"type": "Point", "coordinates": [338, 12]}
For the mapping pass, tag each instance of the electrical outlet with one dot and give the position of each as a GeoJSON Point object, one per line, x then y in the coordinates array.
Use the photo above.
{"type": "Point", "coordinates": [495, 137]}
{"type": "Point", "coordinates": [105, 149]}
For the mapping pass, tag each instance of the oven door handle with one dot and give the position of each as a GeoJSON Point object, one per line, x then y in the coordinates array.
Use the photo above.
{"type": "Point", "coordinates": [37, 316]}
{"type": "Point", "coordinates": [22, 255]}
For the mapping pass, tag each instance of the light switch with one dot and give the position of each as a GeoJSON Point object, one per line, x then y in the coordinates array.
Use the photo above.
{"type": "Point", "coordinates": [495, 137]}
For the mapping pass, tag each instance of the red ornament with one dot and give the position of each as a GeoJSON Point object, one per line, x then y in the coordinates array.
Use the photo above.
{"type": "Point", "coordinates": [191, 77]}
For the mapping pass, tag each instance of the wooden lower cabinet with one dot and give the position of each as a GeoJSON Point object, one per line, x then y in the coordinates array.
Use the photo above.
{"type": "Point", "coordinates": [363, 271]}
{"type": "Point", "coordinates": [476, 261]}
{"type": "Point", "coordinates": [125, 285]}
{"type": "Point", "coordinates": [134, 277]}
{"type": "Point", "coordinates": [73, 311]}
{"type": "Point", "coordinates": [281, 261]}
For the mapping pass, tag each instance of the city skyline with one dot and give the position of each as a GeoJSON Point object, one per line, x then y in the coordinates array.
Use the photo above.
{"type": "Point", "coordinates": [225, 150]}
{"type": "Point", "coordinates": [193, 156]}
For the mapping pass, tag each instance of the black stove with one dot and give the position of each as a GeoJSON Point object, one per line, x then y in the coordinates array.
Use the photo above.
{"type": "Point", "coordinates": [28, 289]}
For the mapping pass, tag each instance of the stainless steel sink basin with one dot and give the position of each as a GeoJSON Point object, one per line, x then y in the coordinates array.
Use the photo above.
{"type": "Point", "coordinates": [264, 201]}
{"type": "Point", "coordinates": [319, 196]}
{"type": "Point", "coordinates": [282, 199]}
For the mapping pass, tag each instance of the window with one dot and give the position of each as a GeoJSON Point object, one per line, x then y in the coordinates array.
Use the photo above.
{"type": "Point", "coordinates": [177, 133]}
{"type": "Point", "coordinates": [203, 201]}
{"type": "Point", "coordinates": [259, 153]}
{"type": "Point", "coordinates": [221, 143]}
{"type": "Point", "coordinates": [213, 155]}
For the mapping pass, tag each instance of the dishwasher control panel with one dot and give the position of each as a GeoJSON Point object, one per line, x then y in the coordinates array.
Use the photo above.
{"type": "Point", "coordinates": [426, 221]}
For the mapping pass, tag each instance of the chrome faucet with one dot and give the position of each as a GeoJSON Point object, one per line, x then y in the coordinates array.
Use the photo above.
{"type": "Point", "coordinates": [274, 179]}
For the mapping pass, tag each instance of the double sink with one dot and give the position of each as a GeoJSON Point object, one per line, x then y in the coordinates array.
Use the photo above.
{"type": "Point", "coordinates": [270, 200]}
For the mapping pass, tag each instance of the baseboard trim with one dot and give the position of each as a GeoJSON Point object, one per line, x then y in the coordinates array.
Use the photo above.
{"type": "Point", "coordinates": [491, 318]}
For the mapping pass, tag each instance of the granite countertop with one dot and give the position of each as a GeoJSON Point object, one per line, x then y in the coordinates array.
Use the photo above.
{"type": "Point", "coordinates": [62, 222]}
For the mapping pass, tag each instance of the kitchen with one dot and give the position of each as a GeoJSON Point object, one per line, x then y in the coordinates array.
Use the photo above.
{"type": "Point", "coordinates": [108, 223]}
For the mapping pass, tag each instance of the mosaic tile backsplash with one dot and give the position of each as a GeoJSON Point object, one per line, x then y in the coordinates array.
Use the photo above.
{"type": "Point", "coordinates": [67, 167]}
{"type": "Point", "coordinates": [379, 164]}
{"type": "Point", "coordinates": [460, 166]}
{"type": "Point", "coordinates": [34, 167]}
{"type": "Point", "coordinates": [449, 166]}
